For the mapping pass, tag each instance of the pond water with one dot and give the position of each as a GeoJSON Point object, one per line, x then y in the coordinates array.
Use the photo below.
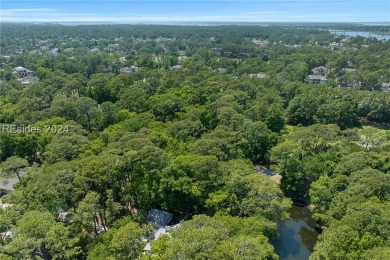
{"type": "Point", "coordinates": [296, 235]}
{"type": "Point", "coordinates": [363, 34]}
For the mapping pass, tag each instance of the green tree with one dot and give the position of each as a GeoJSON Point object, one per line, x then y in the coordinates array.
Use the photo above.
{"type": "Point", "coordinates": [87, 214]}
{"type": "Point", "coordinates": [13, 165]}
{"type": "Point", "coordinates": [214, 238]}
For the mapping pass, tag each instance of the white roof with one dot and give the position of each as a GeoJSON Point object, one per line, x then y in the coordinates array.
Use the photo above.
{"type": "Point", "coordinates": [160, 232]}
{"type": "Point", "coordinates": [320, 77]}
{"type": "Point", "coordinates": [20, 68]}
{"type": "Point", "coordinates": [147, 247]}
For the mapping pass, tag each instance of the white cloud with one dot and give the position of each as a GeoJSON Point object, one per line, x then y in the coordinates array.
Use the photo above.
{"type": "Point", "coordinates": [271, 12]}
{"type": "Point", "coordinates": [25, 10]}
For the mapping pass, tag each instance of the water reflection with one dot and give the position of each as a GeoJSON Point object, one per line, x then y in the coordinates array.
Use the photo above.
{"type": "Point", "coordinates": [296, 236]}
{"type": "Point", "coordinates": [363, 34]}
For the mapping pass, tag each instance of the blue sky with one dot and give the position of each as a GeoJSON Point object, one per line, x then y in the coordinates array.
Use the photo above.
{"type": "Point", "coordinates": [135, 11]}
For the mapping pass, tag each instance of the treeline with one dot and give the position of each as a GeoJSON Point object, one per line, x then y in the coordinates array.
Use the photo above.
{"type": "Point", "coordinates": [100, 34]}
{"type": "Point", "coordinates": [237, 51]}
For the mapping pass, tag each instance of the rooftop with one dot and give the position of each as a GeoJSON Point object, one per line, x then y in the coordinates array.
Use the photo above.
{"type": "Point", "coordinates": [20, 68]}
{"type": "Point", "coordinates": [318, 77]}
{"type": "Point", "coordinates": [159, 218]}
{"type": "Point", "coordinates": [8, 183]}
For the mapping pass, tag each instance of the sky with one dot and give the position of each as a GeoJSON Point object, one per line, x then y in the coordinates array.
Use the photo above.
{"type": "Point", "coordinates": [157, 11]}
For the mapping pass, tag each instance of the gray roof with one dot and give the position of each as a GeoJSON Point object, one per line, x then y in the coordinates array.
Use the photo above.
{"type": "Point", "coordinates": [8, 183]}
{"type": "Point", "coordinates": [319, 77]}
{"type": "Point", "coordinates": [158, 218]}
{"type": "Point", "coordinates": [129, 69]}
{"type": "Point", "coordinates": [176, 67]}
{"type": "Point", "coordinates": [28, 79]}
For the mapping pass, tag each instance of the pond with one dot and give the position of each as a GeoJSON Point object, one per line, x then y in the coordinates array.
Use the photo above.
{"type": "Point", "coordinates": [363, 34]}
{"type": "Point", "coordinates": [296, 235]}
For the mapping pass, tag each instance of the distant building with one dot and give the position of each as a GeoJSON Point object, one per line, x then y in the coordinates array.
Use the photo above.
{"type": "Point", "coordinates": [176, 67]}
{"type": "Point", "coordinates": [386, 87]}
{"type": "Point", "coordinates": [129, 69]}
{"type": "Point", "coordinates": [114, 46]}
{"type": "Point", "coordinates": [54, 51]}
{"type": "Point", "coordinates": [69, 50]}
{"type": "Point", "coordinates": [321, 70]}
{"type": "Point", "coordinates": [220, 70]}
{"type": "Point", "coordinates": [348, 84]}
{"type": "Point", "coordinates": [258, 75]}
{"type": "Point", "coordinates": [261, 43]}
{"type": "Point", "coordinates": [348, 70]}
{"type": "Point", "coordinates": [21, 72]}
{"type": "Point", "coordinates": [317, 79]}
{"type": "Point", "coordinates": [28, 80]}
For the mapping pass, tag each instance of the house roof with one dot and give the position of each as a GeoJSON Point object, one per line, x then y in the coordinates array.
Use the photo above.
{"type": "Point", "coordinates": [147, 247]}
{"type": "Point", "coordinates": [129, 69]}
{"type": "Point", "coordinates": [319, 77]}
{"type": "Point", "coordinates": [20, 68]}
{"type": "Point", "coordinates": [177, 67]}
{"type": "Point", "coordinates": [158, 218]}
{"type": "Point", "coordinates": [8, 183]}
{"type": "Point", "coordinates": [28, 79]}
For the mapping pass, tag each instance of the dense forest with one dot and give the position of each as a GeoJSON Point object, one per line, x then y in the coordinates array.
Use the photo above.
{"type": "Point", "coordinates": [122, 119]}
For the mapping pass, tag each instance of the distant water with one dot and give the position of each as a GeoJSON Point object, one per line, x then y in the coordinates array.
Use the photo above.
{"type": "Point", "coordinates": [363, 34]}
{"type": "Point", "coordinates": [296, 236]}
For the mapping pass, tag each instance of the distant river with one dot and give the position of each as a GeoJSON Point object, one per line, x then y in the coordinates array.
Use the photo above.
{"type": "Point", "coordinates": [363, 34]}
{"type": "Point", "coordinates": [296, 236]}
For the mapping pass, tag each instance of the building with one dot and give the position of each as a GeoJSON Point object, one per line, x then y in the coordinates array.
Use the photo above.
{"type": "Point", "coordinates": [28, 79]}
{"type": "Point", "coordinates": [129, 69]}
{"type": "Point", "coordinates": [159, 218]}
{"type": "Point", "coordinates": [386, 87]}
{"type": "Point", "coordinates": [54, 51]}
{"type": "Point", "coordinates": [317, 79]}
{"type": "Point", "coordinates": [176, 67]}
{"type": "Point", "coordinates": [7, 185]}
{"type": "Point", "coordinates": [321, 70]}
{"type": "Point", "coordinates": [258, 75]}
{"type": "Point", "coordinates": [161, 231]}
{"type": "Point", "coordinates": [24, 75]}
{"type": "Point", "coordinates": [220, 70]}
{"type": "Point", "coordinates": [21, 72]}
